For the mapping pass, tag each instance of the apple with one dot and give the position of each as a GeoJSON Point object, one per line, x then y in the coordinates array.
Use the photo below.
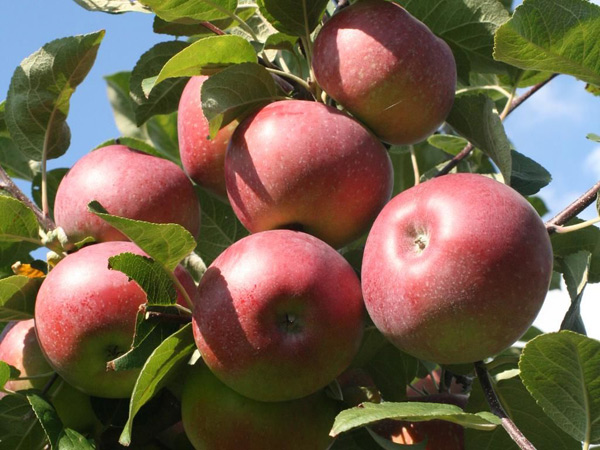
{"type": "Point", "coordinates": [278, 316]}
{"type": "Point", "coordinates": [387, 69]}
{"type": "Point", "coordinates": [217, 418]}
{"type": "Point", "coordinates": [203, 158]}
{"type": "Point", "coordinates": [19, 347]}
{"type": "Point", "coordinates": [308, 167]}
{"type": "Point", "coordinates": [85, 316]}
{"type": "Point", "coordinates": [127, 183]}
{"type": "Point", "coordinates": [456, 269]}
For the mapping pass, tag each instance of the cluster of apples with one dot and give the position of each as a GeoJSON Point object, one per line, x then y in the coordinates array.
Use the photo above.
{"type": "Point", "coordinates": [454, 270]}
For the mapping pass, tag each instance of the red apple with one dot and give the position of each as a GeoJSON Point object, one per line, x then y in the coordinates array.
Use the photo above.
{"type": "Point", "coordinates": [19, 347]}
{"type": "Point", "coordinates": [278, 316]}
{"type": "Point", "coordinates": [203, 159]}
{"type": "Point", "coordinates": [127, 183]}
{"type": "Point", "coordinates": [217, 418]}
{"type": "Point", "coordinates": [306, 166]}
{"type": "Point", "coordinates": [456, 269]}
{"type": "Point", "coordinates": [85, 316]}
{"type": "Point", "coordinates": [386, 68]}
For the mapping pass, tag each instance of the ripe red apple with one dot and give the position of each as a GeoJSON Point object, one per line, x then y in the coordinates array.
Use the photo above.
{"type": "Point", "coordinates": [85, 316]}
{"type": "Point", "coordinates": [278, 315]}
{"type": "Point", "coordinates": [456, 269]}
{"type": "Point", "coordinates": [217, 418]}
{"type": "Point", "coordinates": [306, 166]}
{"type": "Point", "coordinates": [127, 183]}
{"type": "Point", "coordinates": [386, 68]}
{"type": "Point", "coordinates": [203, 159]}
{"type": "Point", "coordinates": [19, 347]}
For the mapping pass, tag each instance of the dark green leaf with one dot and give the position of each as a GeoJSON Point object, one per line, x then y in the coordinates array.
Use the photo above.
{"type": "Point", "coordinates": [47, 417]}
{"type": "Point", "coordinates": [17, 222]}
{"type": "Point", "coordinates": [38, 98]}
{"type": "Point", "coordinates": [222, 105]}
{"type": "Point", "coordinates": [369, 413]}
{"type": "Point", "coordinates": [72, 440]}
{"type": "Point", "coordinates": [163, 99]}
{"type": "Point", "coordinates": [538, 205]}
{"type": "Point", "coordinates": [564, 244]}
{"type": "Point", "coordinates": [17, 297]}
{"type": "Point", "coordinates": [164, 364]}
{"type": "Point", "coordinates": [204, 57]}
{"type": "Point", "coordinates": [19, 427]}
{"type": "Point", "coordinates": [562, 372]}
{"type": "Point", "coordinates": [575, 269]}
{"type": "Point", "coordinates": [281, 41]}
{"type": "Point", "coordinates": [166, 243]}
{"type": "Point", "coordinates": [468, 26]}
{"type": "Point", "coordinates": [527, 415]}
{"type": "Point", "coordinates": [527, 176]}
{"type": "Point", "coordinates": [162, 132]}
{"type": "Point", "coordinates": [112, 6]}
{"type": "Point", "coordinates": [7, 372]}
{"type": "Point", "coordinates": [553, 35]}
{"type": "Point", "coordinates": [219, 227]}
{"type": "Point", "coordinates": [149, 274]}
{"type": "Point", "coordinates": [53, 179]}
{"type": "Point", "coordinates": [293, 17]}
{"type": "Point", "coordinates": [474, 118]}
{"type": "Point", "coordinates": [16, 164]}
{"type": "Point", "coordinates": [192, 10]}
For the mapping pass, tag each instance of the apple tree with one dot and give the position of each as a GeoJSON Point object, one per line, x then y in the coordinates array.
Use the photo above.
{"type": "Point", "coordinates": [313, 233]}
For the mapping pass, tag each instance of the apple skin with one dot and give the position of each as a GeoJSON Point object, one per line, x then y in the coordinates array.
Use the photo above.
{"type": "Point", "coordinates": [278, 316]}
{"type": "Point", "coordinates": [203, 159]}
{"type": "Point", "coordinates": [387, 69]}
{"type": "Point", "coordinates": [456, 269]}
{"type": "Point", "coordinates": [217, 418]}
{"type": "Point", "coordinates": [19, 347]}
{"type": "Point", "coordinates": [85, 316]}
{"type": "Point", "coordinates": [127, 183]}
{"type": "Point", "coordinates": [308, 167]}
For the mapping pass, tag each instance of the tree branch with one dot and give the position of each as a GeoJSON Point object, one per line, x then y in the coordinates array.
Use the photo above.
{"type": "Point", "coordinates": [8, 185]}
{"type": "Point", "coordinates": [514, 105]}
{"type": "Point", "coordinates": [497, 408]}
{"type": "Point", "coordinates": [573, 209]}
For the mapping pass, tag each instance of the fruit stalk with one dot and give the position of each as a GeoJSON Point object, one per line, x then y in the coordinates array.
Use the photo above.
{"type": "Point", "coordinates": [574, 208]}
{"type": "Point", "coordinates": [497, 408]}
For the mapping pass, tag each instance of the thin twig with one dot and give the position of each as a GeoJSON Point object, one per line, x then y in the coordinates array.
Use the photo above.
{"type": "Point", "coordinates": [573, 209]}
{"type": "Point", "coordinates": [497, 408]}
{"type": "Point", "coordinates": [8, 185]}
{"type": "Point", "coordinates": [513, 105]}
{"type": "Point", "coordinates": [210, 27]}
{"type": "Point", "coordinates": [49, 384]}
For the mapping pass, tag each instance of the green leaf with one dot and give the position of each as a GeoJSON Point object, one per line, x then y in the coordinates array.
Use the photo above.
{"type": "Point", "coordinates": [575, 268]}
{"type": "Point", "coordinates": [163, 365]}
{"type": "Point", "coordinates": [468, 26]}
{"type": "Point", "coordinates": [219, 227]}
{"type": "Point", "coordinates": [527, 176]}
{"type": "Point", "coordinates": [527, 415]}
{"type": "Point", "coordinates": [122, 105]}
{"type": "Point", "coordinates": [53, 179]}
{"type": "Point", "coordinates": [449, 143]}
{"type": "Point", "coordinates": [165, 98]}
{"type": "Point", "coordinates": [369, 413]}
{"type": "Point", "coordinates": [204, 57]}
{"type": "Point", "coordinates": [192, 10]}
{"type": "Point", "coordinates": [562, 372]}
{"type": "Point", "coordinates": [112, 6]}
{"type": "Point", "coordinates": [17, 297]}
{"type": "Point", "coordinates": [281, 41]}
{"type": "Point", "coordinates": [7, 372]}
{"type": "Point", "coordinates": [15, 163]}
{"type": "Point", "coordinates": [72, 440]}
{"type": "Point", "coordinates": [166, 243]}
{"type": "Point", "coordinates": [47, 417]}
{"type": "Point", "coordinates": [553, 35]}
{"type": "Point", "coordinates": [19, 427]}
{"type": "Point", "coordinates": [162, 133]}
{"type": "Point", "coordinates": [149, 274]}
{"type": "Point", "coordinates": [17, 222]}
{"type": "Point", "coordinates": [564, 244]}
{"type": "Point", "coordinates": [293, 17]}
{"type": "Point", "coordinates": [474, 118]}
{"type": "Point", "coordinates": [593, 137]}
{"type": "Point", "coordinates": [222, 105]}
{"type": "Point", "coordinates": [41, 87]}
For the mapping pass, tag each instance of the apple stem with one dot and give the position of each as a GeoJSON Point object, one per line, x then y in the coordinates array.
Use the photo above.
{"type": "Point", "coordinates": [49, 383]}
{"type": "Point", "coordinates": [291, 76]}
{"type": "Point", "coordinates": [576, 227]}
{"type": "Point", "coordinates": [181, 290]}
{"type": "Point", "coordinates": [497, 408]}
{"type": "Point", "coordinates": [8, 185]}
{"type": "Point", "coordinates": [573, 209]}
{"type": "Point", "coordinates": [415, 164]}
{"type": "Point", "coordinates": [514, 104]}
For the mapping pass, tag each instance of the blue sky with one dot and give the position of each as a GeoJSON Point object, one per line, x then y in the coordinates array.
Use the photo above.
{"type": "Point", "coordinates": [550, 128]}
